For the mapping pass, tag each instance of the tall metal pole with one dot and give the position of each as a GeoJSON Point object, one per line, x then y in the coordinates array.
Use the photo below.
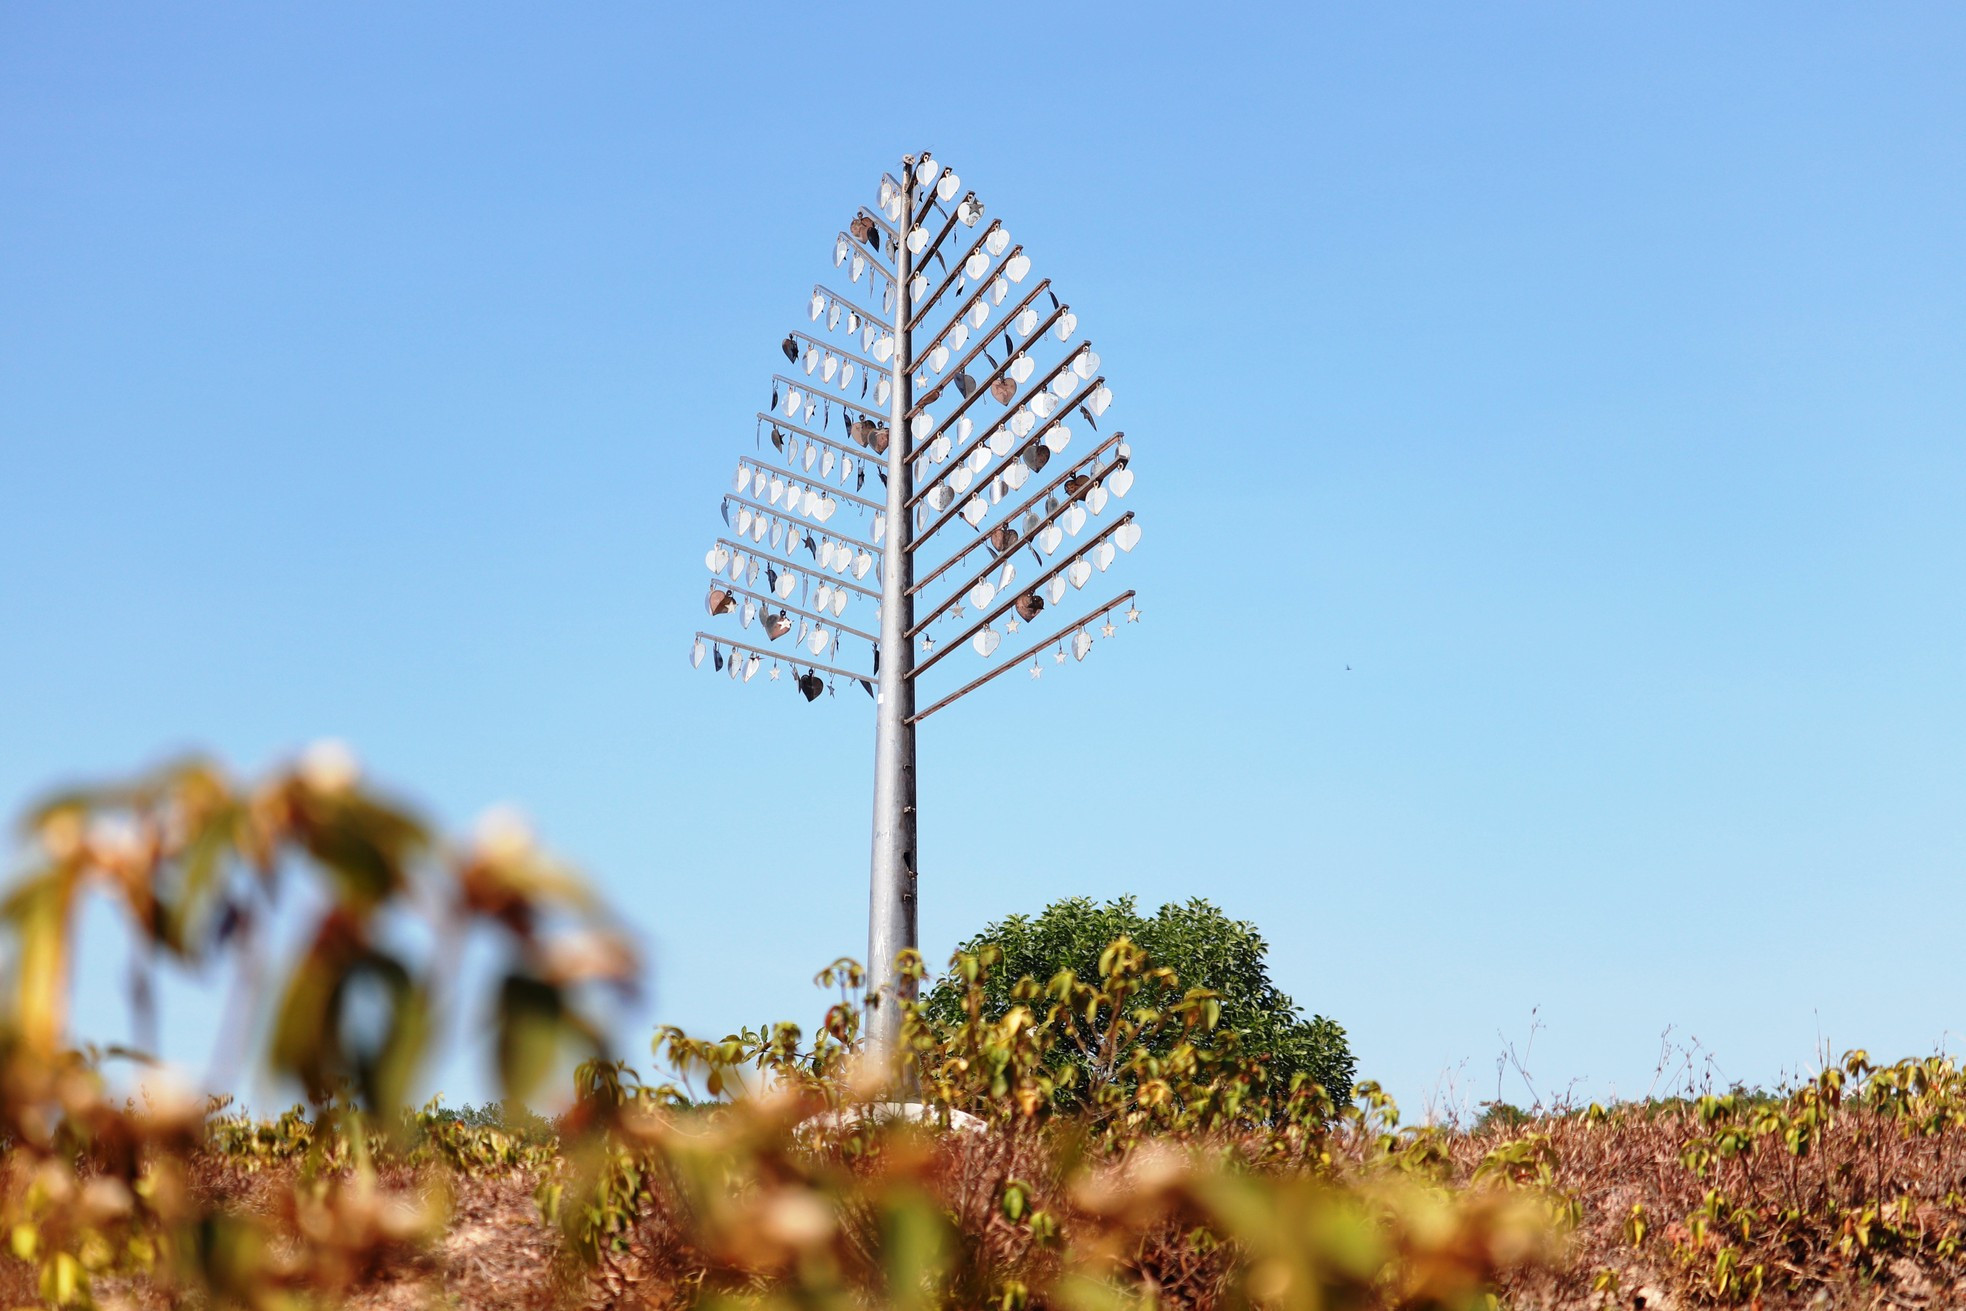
{"type": "Point", "coordinates": [891, 926]}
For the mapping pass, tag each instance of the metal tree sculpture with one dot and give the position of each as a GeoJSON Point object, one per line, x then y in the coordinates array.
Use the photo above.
{"type": "Point", "coordinates": [963, 393]}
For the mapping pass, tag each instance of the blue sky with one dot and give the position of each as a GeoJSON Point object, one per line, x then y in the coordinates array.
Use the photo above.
{"type": "Point", "coordinates": [1586, 378]}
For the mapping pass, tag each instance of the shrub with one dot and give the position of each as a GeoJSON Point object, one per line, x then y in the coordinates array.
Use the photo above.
{"type": "Point", "coordinates": [1202, 947]}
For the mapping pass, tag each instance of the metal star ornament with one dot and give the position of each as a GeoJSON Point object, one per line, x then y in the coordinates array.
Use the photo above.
{"type": "Point", "coordinates": [1133, 614]}
{"type": "Point", "coordinates": [1106, 629]}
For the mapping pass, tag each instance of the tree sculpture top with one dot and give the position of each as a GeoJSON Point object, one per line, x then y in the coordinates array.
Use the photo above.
{"type": "Point", "coordinates": [853, 556]}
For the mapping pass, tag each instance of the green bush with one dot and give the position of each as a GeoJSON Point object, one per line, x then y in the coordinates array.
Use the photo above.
{"type": "Point", "coordinates": [1194, 939]}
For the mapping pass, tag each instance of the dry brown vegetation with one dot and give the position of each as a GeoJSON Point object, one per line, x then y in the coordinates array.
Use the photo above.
{"type": "Point", "coordinates": [1103, 1143]}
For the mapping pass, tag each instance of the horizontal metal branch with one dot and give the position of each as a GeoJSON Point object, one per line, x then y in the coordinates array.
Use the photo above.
{"type": "Point", "coordinates": [852, 452]}
{"type": "Point", "coordinates": [785, 657]}
{"type": "Point", "coordinates": [915, 321]}
{"type": "Point", "coordinates": [983, 340]}
{"type": "Point", "coordinates": [954, 270]}
{"type": "Point", "coordinates": [751, 549]}
{"type": "Point", "coordinates": [827, 620]}
{"type": "Point", "coordinates": [998, 464]}
{"type": "Point", "coordinates": [875, 214]}
{"type": "Point", "coordinates": [759, 462]}
{"type": "Point", "coordinates": [1018, 659]}
{"type": "Point", "coordinates": [870, 316]}
{"type": "Point", "coordinates": [929, 251]}
{"type": "Point", "coordinates": [1090, 457]}
{"type": "Point", "coordinates": [982, 433]}
{"type": "Point", "coordinates": [1064, 562]}
{"type": "Point", "coordinates": [982, 289]}
{"type": "Point", "coordinates": [805, 385]}
{"type": "Point", "coordinates": [824, 345]}
{"type": "Point", "coordinates": [873, 259]}
{"type": "Point", "coordinates": [779, 513]}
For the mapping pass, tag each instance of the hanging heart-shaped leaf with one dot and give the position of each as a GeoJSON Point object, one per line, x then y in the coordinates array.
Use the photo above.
{"type": "Point", "coordinates": [1099, 401]}
{"type": "Point", "coordinates": [1029, 606]}
{"type": "Point", "coordinates": [696, 653]}
{"type": "Point", "coordinates": [982, 594]}
{"type": "Point", "coordinates": [750, 668]}
{"type": "Point", "coordinates": [1120, 482]}
{"type": "Point", "coordinates": [973, 266]}
{"type": "Point", "coordinates": [938, 358]}
{"type": "Point", "coordinates": [1049, 538]}
{"type": "Point", "coordinates": [839, 600]}
{"type": "Point", "coordinates": [1002, 538]}
{"type": "Point", "coordinates": [1056, 588]}
{"type": "Point", "coordinates": [916, 240]}
{"type": "Point", "coordinates": [1037, 457]}
{"type": "Point", "coordinates": [940, 497]}
{"type": "Point", "coordinates": [974, 509]}
{"type": "Point", "coordinates": [1081, 643]}
{"type": "Point", "coordinates": [862, 563]}
{"type": "Point", "coordinates": [720, 602]}
{"type": "Point", "coordinates": [1095, 500]}
{"type": "Point", "coordinates": [1021, 368]}
{"type": "Point", "coordinates": [787, 584]}
{"type": "Point", "coordinates": [986, 642]}
{"type": "Point", "coordinates": [880, 440]}
{"type": "Point", "coordinates": [1079, 572]}
{"type": "Point", "coordinates": [717, 558]}
{"type": "Point", "coordinates": [816, 640]}
{"type": "Point", "coordinates": [884, 349]}
{"type": "Point", "coordinates": [776, 626]}
{"type": "Point", "coordinates": [998, 239]}
{"type": "Point", "coordinates": [1003, 389]}
{"type": "Point", "coordinates": [1019, 265]}
{"type": "Point", "coordinates": [1015, 474]}
{"type": "Point", "coordinates": [1073, 519]}
{"type": "Point", "coordinates": [811, 686]}
{"type": "Point", "coordinates": [749, 613]}
{"type": "Point", "coordinates": [1103, 555]}
{"type": "Point", "coordinates": [1068, 323]}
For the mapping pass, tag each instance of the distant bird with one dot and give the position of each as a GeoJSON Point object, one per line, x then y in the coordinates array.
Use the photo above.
{"type": "Point", "coordinates": [1348, 669]}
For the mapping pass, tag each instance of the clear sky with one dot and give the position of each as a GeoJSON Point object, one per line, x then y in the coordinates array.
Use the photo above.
{"type": "Point", "coordinates": [1550, 424]}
